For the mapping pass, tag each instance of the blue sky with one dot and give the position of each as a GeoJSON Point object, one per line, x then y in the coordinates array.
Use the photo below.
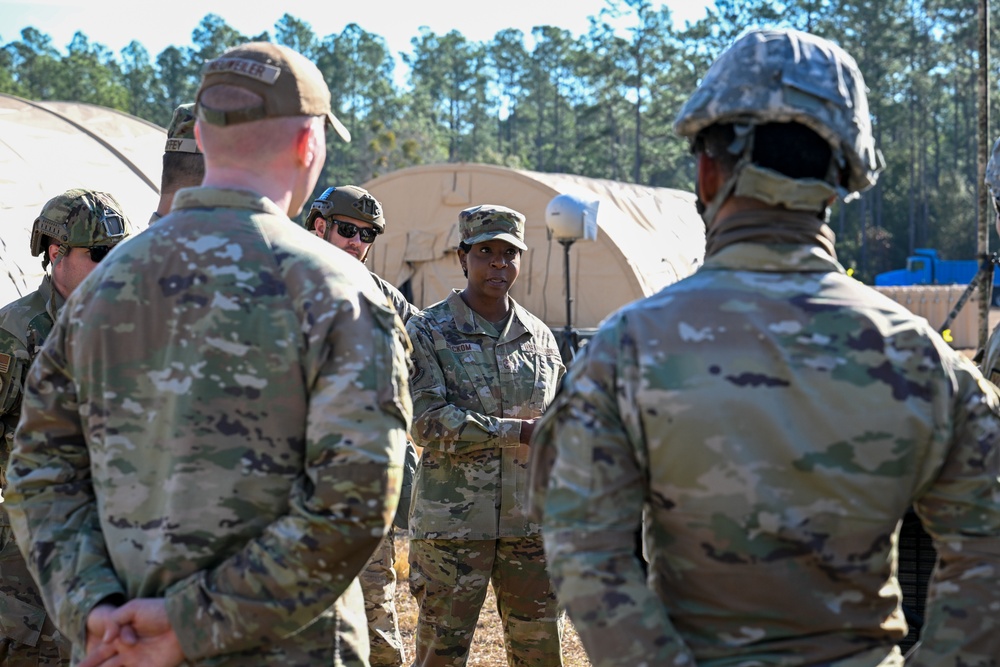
{"type": "Point", "coordinates": [114, 23]}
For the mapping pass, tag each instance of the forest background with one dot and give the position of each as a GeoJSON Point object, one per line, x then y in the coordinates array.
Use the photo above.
{"type": "Point", "coordinates": [600, 104]}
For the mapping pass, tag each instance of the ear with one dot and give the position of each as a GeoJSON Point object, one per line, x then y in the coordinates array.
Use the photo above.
{"type": "Point", "coordinates": [319, 227]}
{"type": "Point", "coordinates": [306, 145]}
{"type": "Point", "coordinates": [708, 177]}
{"type": "Point", "coordinates": [197, 136]}
{"type": "Point", "coordinates": [52, 250]}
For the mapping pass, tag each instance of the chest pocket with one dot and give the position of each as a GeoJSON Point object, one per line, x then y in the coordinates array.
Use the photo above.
{"type": "Point", "coordinates": [468, 383]}
{"type": "Point", "coordinates": [481, 383]}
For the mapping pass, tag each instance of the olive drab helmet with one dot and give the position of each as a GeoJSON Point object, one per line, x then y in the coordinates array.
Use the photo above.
{"type": "Point", "coordinates": [782, 76]}
{"type": "Point", "coordinates": [350, 201]}
{"type": "Point", "coordinates": [79, 219]}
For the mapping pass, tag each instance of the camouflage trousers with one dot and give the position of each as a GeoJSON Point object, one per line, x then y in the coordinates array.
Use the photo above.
{"type": "Point", "coordinates": [378, 584]}
{"type": "Point", "coordinates": [27, 636]}
{"type": "Point", "coordinates": [450, 578]}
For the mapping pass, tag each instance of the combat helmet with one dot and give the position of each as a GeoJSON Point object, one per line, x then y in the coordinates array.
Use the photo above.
{"type": "Point", "coordinates": [79, 219]}
{"type": "Point", "coordinates": [993, 171]}
{"type": "Point", "coordinates": [350, 201]}
{"type": "Point", "coordinates": [782, 76]}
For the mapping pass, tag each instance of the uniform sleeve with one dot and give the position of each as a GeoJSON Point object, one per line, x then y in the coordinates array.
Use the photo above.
{"type": "Point", "coordinates": [438, 424]}
{"type": "Point", "coordinates": [592, 503]}
{"type": "Point", "coordinates": [14, 362]}
{"type": "Point", "coordinates": [50, 499]}
{"type": "Point", "coordinates": [961, 512]}
{"type": "Point", "coordinates": [359, 411]}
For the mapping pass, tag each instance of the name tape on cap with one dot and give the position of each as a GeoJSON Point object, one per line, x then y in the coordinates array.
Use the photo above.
{"type": "Point", "coordinates": [250, 68]}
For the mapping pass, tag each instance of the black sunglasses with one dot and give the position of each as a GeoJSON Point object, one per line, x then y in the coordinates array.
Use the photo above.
{"type": "Point", "coordinates": [349, 229]}
{"type": "Point", "coordinates": [98, 252]}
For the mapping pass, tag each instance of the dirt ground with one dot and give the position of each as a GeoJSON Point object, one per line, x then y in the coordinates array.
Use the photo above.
{"type": "Point", "coordinates": [487, 646]}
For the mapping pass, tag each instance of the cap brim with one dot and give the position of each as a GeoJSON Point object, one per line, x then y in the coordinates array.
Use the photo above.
{"type": "Point", "coordinates": [338, 127]}
{"type": "Point", "coordinates": [499, 236]}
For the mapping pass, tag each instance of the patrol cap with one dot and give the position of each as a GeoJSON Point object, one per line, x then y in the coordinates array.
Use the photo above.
{"type": "Point", "coordinates": [486, 222]}
{"type": "Point", "coordinates": [993, 171]}
{"type": "Point", "coordinates": [80, 218]}
{"type": "Point", "coordinates": [349, 201]}
{"type": "Point", "coordinates": [288, 82]}
{"type": "Point", "coordinates": [180, 134]}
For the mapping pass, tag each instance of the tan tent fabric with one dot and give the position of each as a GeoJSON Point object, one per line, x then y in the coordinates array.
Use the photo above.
{"type": "Point", "coordinates": [49, 147]}
{"type": "Point", "coordinates": [648, 237]}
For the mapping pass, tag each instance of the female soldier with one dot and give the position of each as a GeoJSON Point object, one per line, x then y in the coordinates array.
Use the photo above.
{"type": "Point", "coordinates": [484, 369]}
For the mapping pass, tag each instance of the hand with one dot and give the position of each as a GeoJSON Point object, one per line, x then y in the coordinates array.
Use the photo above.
{"type": "Point", "coordinates": [137, 634]}
{"type": "Point", "coordinates": [101, 632]}
{"type": "Point", "coordinates": [527, 428]}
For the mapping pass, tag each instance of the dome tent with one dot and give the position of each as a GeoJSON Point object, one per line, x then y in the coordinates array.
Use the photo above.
{"type": "Point", "coordinates": [49, 147]}
{"type": "Point", "coordinates": [647, 237]}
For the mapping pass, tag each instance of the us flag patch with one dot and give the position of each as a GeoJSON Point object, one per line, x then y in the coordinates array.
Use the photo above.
{"type": "Point", "coordinates": [5, 360]}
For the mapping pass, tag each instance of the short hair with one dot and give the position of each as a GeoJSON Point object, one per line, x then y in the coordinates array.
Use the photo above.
{"type": "Point", "coordinates": [791, 149]}
{"type": "Point", "coordinates": [182, 170]}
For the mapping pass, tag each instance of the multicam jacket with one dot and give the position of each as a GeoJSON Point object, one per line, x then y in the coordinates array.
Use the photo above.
{"type": "Point", "coordinates": [472, 386]}
{"type": "Point", "coordinates": [218, 418]}
{"type": "Point", "coordinates": [775, 419]}
{"type": "Point", "coordinates": [24, 326]}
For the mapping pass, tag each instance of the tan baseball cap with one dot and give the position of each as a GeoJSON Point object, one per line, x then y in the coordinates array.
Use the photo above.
{"type": "Point", "coordinates": [288, 82]}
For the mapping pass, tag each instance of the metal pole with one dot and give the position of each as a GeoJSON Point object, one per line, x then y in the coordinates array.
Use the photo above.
{"type": "Point", "coordinates": [569, 340]}
{"type": "Point", "coordinates": [983, 207]}
{"type": "Point", "coordinates": [569, 298]}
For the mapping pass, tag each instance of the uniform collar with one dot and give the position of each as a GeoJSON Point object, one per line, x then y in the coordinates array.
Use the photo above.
{"type": "Point", "coordinates": [468, 323]}
{"type": "Point", "coordinates": [788, 258]}
{"type": "Point", "coordinates": [208, 197]}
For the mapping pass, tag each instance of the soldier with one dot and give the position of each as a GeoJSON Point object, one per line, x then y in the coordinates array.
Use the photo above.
{"type": "Point", "coordinates": [183, 163]}
{"type": "Point", "coordinates": [990, 359]}
{"type": "Point", "coordinates": [211, 438]}
{"type": "Point", "coordinates": [73, 233]}
{"type": "Point", "coordinates": [357, 217]}
{"type": "Point", "coordinates": [774, 417]}
{"type": "Point", "coordinates": [484, 370]}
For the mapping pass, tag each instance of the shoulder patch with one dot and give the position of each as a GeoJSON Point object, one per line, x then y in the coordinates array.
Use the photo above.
{"type": "Point", "coordinates": [5, 361]}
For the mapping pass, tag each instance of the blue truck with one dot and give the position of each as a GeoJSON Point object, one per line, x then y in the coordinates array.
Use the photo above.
{"type": "Point", "coordinates": [924, 267]}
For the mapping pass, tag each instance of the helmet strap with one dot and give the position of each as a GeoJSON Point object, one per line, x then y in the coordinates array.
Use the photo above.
{"type": "Point", "coordinates": [62, 252]}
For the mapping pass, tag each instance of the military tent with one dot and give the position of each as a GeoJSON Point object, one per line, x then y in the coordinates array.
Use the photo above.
{"type": "Point", "coordinates": [49, 147]}
{"type": "Point", "coordinates": [647, 237]}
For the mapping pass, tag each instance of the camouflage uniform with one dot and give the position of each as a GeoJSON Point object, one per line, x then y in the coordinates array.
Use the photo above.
{"type": "Point", "coordinates": [472, 385]}
{"type": "Point", "coordinates": [73, 219]}
{"type": "Point", "coordinates": [990, 356]}
{"type": "Point", "coordinates": [774, 419]}
{"type": "Point", "coordinates": [378, 579]}
{"type": "Point", "coordinates": [773, 469]}
{"type": "Point", "coordinates": [27, 635]}
{"type": "Point", "coordinates": [223, 404]}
